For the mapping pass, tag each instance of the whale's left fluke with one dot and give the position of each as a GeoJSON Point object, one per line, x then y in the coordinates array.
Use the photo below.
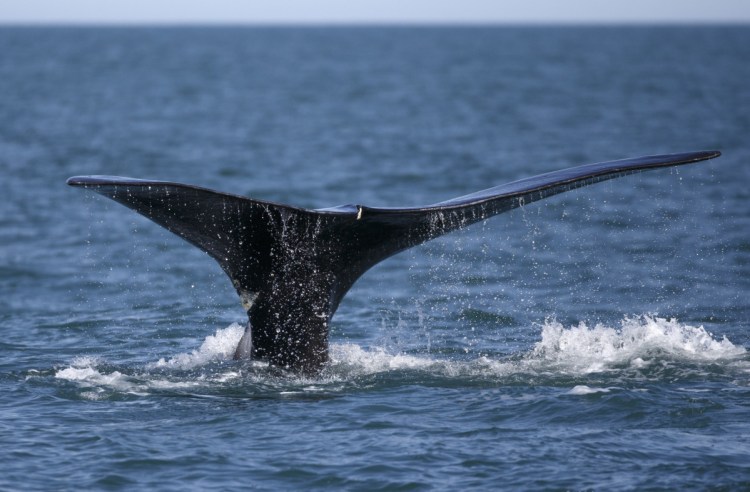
{"type": "Point", "coordinates": [292, 266]}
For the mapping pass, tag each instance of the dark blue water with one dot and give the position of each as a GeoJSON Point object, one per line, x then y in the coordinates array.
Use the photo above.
{"type": "Point", "coordinates": [594, 340]}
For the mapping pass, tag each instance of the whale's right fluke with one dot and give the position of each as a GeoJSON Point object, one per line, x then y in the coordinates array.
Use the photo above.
{"type": "Point", "coordinates": [292, 266]}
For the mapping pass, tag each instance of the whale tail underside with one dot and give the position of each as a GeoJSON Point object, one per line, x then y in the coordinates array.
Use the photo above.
{"type": "Point", "coordinates": [292, 266]}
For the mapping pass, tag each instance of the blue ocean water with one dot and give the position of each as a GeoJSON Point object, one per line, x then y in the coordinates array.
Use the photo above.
{"type": "Point", "coordinates": [595, 340]}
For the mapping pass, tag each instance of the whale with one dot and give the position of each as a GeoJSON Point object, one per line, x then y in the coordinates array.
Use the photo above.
{"type": "Point", "coordinates": [292, 266]}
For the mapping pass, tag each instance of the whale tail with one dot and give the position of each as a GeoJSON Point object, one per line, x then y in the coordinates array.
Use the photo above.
{"type": "Point", "coordinates": [292, 266]}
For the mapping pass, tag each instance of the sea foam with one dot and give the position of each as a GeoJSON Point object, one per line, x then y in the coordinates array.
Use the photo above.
{"type": "Point", "coordinates": [220, 346]}
{"type": "Point", "coordinates": [576, 350]}
{"type": "Point", "coordinates": [636, 341]}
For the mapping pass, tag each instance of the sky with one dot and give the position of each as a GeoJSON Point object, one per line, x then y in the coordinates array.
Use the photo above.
{"type": "Point", "coordinates": [372, 11]}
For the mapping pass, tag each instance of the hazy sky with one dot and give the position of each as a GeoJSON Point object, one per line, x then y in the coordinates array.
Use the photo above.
{"type": "Point", "coordinates": [372, 11]}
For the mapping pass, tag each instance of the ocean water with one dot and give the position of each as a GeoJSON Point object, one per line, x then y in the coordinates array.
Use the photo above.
{"type": "Point", "coordinates": [595, 340]}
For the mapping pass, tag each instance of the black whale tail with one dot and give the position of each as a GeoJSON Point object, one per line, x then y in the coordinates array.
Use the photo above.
{"type": "Point", "coordinates": [292, 266]}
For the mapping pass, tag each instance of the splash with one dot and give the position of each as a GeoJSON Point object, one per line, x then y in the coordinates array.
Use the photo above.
{"type": "Point", "coordinates": [220, 346]}
{"type": "Point", "coordinates": [98, 380]}
{"type": "Point", "coordinates": [85, 371]}
{"type": "Point", "coordinates": [353, 359]}
{"type": "Point", "coordinates": [576, 351]}
{"type": "Point", "coordinates": [626, 351]}
{"type": "Point", "coordinates": [636, 342]}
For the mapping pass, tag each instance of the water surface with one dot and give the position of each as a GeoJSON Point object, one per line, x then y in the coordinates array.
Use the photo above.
{"type": "Point", "coordinates": [597, 339]}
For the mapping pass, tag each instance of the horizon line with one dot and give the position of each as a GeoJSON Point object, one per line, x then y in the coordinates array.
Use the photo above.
{"type": "Point", "coordinates": [389, 23]}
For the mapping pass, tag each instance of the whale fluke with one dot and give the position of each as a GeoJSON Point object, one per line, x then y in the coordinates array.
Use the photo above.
{"type": "Point", "coordinates": [292, 266]}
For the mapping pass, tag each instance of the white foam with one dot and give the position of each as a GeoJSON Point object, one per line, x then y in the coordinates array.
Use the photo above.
{"type": "Point", "coordinates": [85, 373]}
{"type": "Point", "coordinates": [636, 344]}
{"type": "Point", "coordinates": [88, 373]}
{"type": "Point", "coordinates": [353, 357]}
{"type": "Point", "coordinates": [99, 382]}
{"type": "Point", "coordinates": [638, 340]}
{"type": "Point", "coordinates": [577, 350]}
{"type": "Point", "coordinates": [84, 369]}
{"type": "Point", "coordinates": [582, 389]}
{"type": "Point", "coordinates": [220, 346]}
